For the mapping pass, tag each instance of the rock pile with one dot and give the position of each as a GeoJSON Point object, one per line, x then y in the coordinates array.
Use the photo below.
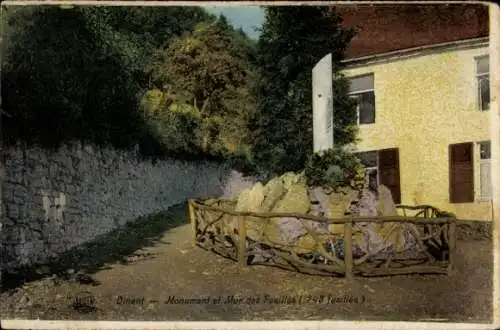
{"type": "Point", "coordinates": [290, 194]}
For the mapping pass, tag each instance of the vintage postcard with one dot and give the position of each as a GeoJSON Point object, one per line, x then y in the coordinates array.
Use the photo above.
{"type": "Point", "coordinates": [318, 165]}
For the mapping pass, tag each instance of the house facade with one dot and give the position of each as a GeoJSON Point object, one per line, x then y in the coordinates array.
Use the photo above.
{"type": "Point", "coordinates": [423, 110]}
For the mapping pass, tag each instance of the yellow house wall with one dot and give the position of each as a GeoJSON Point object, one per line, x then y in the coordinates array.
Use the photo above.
{"type": "Point", "coordinates": [424, 104]}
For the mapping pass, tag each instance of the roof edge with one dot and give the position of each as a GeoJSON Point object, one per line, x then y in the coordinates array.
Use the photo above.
{"type": "Point", "coordinates": [415, 51]}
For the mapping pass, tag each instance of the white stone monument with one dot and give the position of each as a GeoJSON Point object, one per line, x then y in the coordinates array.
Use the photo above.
{"type": "Point", "coordinates": [322, 90]}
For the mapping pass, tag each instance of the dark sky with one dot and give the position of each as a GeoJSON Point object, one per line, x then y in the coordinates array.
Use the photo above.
{"type": "Point", "coordinates": [248, 18]}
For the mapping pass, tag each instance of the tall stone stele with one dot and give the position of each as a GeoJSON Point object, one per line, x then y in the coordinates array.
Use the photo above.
{"type": "Point", "coordinates": [322, 103]}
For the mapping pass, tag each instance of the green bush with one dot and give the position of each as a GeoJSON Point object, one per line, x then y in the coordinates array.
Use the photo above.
{"type": "Point", "coordinates": [333, 169]}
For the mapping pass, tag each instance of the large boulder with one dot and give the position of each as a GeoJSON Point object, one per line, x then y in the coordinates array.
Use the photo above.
{"type": "Point", "coordinates": [296, 200]}
{"type": "Point", "coordinates": [382, 237]}
{"type": "Point", "coordinates": [286, 230]}
{"type": "Point", "coordinates": [290, 194]}
{"type": "Point", "coordinates": [290, 178]}
{"type": "Point", "coordinates": [333, 205]}
{"type": "Point", "coordinates": [386, 205]}
{"type": "Point", "coordinates": [249, 200]}
{"type": "Point", "coordinates": [368, 203]}
{"type": "Point", "coordinates": [295, 232]}
{"type": "Point", "coordinates": [274, 190]}
{"type": "Point", "coordinates": [285, 194]}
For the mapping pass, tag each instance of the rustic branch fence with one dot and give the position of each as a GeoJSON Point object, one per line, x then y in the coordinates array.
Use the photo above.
{"type": "Point", "coordinates": [218, 228]}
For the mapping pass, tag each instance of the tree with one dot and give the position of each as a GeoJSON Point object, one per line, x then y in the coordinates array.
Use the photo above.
{"type": "Point", "coordinates": [147, 30]}
{"type": "Point", "coordinates": [77, 74]}
{"type": "Point", "coordinates": [64, 80]}
{"type": "Point", "coordinates": [293, 39]}
{"type": "Point", "coordinates": [206, 75]}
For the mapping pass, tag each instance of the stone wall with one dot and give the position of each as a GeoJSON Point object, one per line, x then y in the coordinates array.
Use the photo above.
{"type": "Point", "coordinates": [55, 200]}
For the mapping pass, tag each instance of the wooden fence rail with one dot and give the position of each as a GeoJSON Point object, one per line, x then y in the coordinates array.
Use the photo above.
{"type": "Point", "coordinates": [439, 228]}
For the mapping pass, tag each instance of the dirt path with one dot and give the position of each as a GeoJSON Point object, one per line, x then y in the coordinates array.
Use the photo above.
{"type": "Point", "coordinates": [172, 267]}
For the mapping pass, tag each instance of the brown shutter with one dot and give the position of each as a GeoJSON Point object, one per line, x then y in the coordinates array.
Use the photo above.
{"type": "Point", "coordinates": [388, 164]}
{"type": "Point", "coordinates": [461, 173]}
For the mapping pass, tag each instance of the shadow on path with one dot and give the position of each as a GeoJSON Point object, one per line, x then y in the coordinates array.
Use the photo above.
{"type": "Point", "coordinates": [118, 245]}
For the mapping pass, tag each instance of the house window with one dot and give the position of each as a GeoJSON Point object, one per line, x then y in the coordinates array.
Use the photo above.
{"type": "Point", "coordinates": [362, 90]}
{"type": "Point", "coordinates": [483, 82]}
{"type": "Point", "coordinates": [461, 173]}
{"type": "Point", "coordinates": [485, 170]}
{"type": "Point", "coordinates": [382, 167]}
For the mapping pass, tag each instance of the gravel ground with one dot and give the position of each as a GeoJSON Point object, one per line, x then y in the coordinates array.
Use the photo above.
{"type": "Point", "coordinates": [137, 285]}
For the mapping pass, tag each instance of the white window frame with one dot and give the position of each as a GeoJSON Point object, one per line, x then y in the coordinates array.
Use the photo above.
{"type": "Point", "coordinates": [355, 94]}
{"type": "Point", "coordinates": [479, 196]}
{"type": "Point", "coordinates": [478, 77]}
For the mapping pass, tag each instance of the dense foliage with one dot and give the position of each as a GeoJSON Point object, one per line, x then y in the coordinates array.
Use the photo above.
{"type": "Point", "coordinates": [80, 73]}
{"type": "Point", "coordinates": [293, 39]}
{"type": "Point", "coordinates": [176, 81]}
{"type": "Point", "coordinates": [202, 87]}
{"type": "Point", "coordinates": [333, 169]}
{"type": "Point", "coordinates": [62, 81]}
{"type": "Point", "coordinates": [70, 75]}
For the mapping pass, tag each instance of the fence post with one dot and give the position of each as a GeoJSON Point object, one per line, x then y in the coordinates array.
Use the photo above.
{"type": "Point", "coordinates": [452, 238]}
{"type": "Point", "coordinates": [192, 218]}
{"type": "Point", "coordinates": [242, 240]}
{"type": "Point", "coordinates": [348, 250]}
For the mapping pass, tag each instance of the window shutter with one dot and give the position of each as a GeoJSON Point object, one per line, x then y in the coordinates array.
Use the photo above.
{"type": "Point", "coordinates": [389, 172]}
{"type": "Point", "coordinates": [461, 173]}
